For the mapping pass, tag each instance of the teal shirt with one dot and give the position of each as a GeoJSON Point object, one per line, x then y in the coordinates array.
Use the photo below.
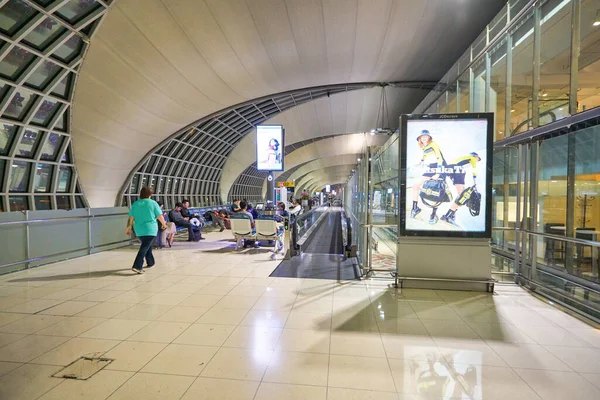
{"type": "Point", "coordinates": [144, 213]}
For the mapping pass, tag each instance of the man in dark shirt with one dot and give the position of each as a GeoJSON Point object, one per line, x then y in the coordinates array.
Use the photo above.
{"type": "Point", "coordinates": [175, 216]}
{"type": "Point", "coordinates": [184, 210]}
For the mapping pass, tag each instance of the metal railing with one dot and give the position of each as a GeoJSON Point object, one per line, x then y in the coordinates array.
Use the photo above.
{"type": "Point", "coordinates": [578, 293]}
{"type": "Point", "coordinates": [31, 225]}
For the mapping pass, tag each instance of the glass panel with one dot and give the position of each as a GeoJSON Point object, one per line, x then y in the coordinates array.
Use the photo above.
{"type": "Point", "coordinates": [52, 146]}
{"type": "Point", "coordinates": [44, 34]}
{"type": "Point", "coordinates": [13, 15]}
{"type": "Point", "coordinates": [479, 84]}
{"type": "Point", "coordinates": [64, 179]}
{"type": "Point", "coordinates": [42, 203]}
{"type": "Point", "coordinates": [497, 99]}
{"type": "Point", "coordinates": [15, 62]}
{"type": "Point", "coordinates": [588, 94]}
{"type": "Point", "coordinates": [79, 203]}
{"type": "Point", "coordinates": [7, 134]}
{"type": "Point", "coordinates": [133, 188]}
{"type": "Point", "coordinates": [71, 49]}
{"type": "Point", "coordinates": [552, 198]}
{"type": "Point", "coordinates": [45, 113]}
{"type": "Point", "coordinates": [63, 202]}
{"type": "Point", "coordinates": [61, 122]}
{"type": "Point", "coordinates": [451, 99]}
{"type": "Point", "coordinates": [44, 3]}
{"type": "Point", "coordinates": [76, 10]}
{"type": "Point", "coordinates": [28, 144]}
{"type": "Point", "coordinates": [46, 71]}
{"type": "Point", "coordinates": [555, 54]}
{"type": "Point", "coordinates": [19, 177]}
{"type": "Point", "coordinates": [18, 203]}
{"type": "Point", "coordinates": [66, 157]}
{"type": "Point", "coordinates": [61, 90]}
{"type": "Point", "coordinates": [464, 92]}
{"type": "Point", "coordinates": [522, 77]}
{"type": "Point", "coordinates": [504, 200]}
{"type": "Point", "coordinates": [2, 164]}
{"type": "Point", "coordinates": [19, 104]}
{"type": "Point", "coordinates": [43, 177]}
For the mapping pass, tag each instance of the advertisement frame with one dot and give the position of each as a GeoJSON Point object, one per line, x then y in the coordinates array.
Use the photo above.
{"type": "Point", "coordinates": [282, 146]}
{"type": "Point", "coordinates": [404, 119]}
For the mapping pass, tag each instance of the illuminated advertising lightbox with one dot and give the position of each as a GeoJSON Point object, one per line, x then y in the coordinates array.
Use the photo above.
{"type": "Point", "coordinates": [269, 147]}
{"type": "Point", "coordinates": [446, 175]}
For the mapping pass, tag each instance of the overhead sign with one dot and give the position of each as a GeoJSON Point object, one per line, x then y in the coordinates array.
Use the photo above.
{"type": "Point", "coordinates": [447, 164]}
{"type": "Point", "coordinates": [269, 147]}
{"type": "Point", "coordinates": [287, 184]}
{"type": "Point", "coordinates": [327, 188]}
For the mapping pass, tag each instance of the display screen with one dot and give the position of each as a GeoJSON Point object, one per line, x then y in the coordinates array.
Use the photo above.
{"type": "Point", "coordinates": [447, 164]}
{"type": "Point", "coordinates": [269, 147]}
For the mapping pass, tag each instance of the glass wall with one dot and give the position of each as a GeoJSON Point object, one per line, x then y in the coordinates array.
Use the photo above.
{"type": "Point", "coordinates": [532, 70]}
{"type": "Point", "coordinates": [385, 192]}
{"type": "Point", "coordinates": [540, 64]}
{"type": "Point", "coordinates": [42, 52]}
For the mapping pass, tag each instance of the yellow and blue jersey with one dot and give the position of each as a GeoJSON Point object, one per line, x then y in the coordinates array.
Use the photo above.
{"type": "Point", "coordinates": [432, 154]}
{"type": "Point", "coordinates": [466, 160]}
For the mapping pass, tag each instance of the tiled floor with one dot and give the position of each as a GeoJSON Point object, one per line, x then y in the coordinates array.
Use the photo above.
{"type": "Point", "coordinates": [207, 323]}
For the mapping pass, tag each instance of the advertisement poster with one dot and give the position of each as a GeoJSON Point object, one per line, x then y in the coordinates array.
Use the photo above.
{"type": "Point", "coordinates": [447, 166]}
{"type": "Point", "coordinates": [269, 147]}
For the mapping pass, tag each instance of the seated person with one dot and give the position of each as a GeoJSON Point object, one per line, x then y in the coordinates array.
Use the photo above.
{"type": "Point", "coordinates": [168, 234]}
{"type": "Point", "coordinates": [215, 218]}
{"type": "Point", "coordinates": [224, 216]}
{"type": "Point", "coordinates": [185, 212]}
{"type": "Point", "coordinates": [244, 211]}
{"type": "Point", "coordinates": [252, 211]}
{"type": "Point", "coordinates": [235, 207]}
{"type": "Point", "coordinates": [194, 232]}
{"type": "Point", "coordinates": [281, 210]}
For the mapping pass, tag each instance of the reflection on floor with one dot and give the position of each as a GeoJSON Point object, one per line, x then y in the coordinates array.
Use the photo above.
{"type": "Point", "coordinates": [208, 323]}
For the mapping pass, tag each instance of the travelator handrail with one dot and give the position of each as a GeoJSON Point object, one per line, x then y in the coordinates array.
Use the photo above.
{"type": "Point", "coordinates": [550, 236]}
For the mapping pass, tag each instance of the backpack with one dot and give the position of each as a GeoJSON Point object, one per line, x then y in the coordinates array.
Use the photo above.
{"type": "Point", "coordinates": [474, 204]}
{"type": "Point", "coordinates": [435, 192]}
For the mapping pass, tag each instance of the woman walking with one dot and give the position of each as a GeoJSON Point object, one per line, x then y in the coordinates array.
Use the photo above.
{"type": "Point", "coordinates": [142, 217]}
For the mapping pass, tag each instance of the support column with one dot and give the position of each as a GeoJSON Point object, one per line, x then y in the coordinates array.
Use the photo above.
{"type": "Point", "coordinates": [575, 50]}
{"type": "Point", "coordinates": [270, 188]}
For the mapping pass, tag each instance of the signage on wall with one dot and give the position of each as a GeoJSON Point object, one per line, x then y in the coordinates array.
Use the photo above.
{"type": "Point", "coordinates": [269, 147]}
{"type": "Point", "coordinates": [447, 164]}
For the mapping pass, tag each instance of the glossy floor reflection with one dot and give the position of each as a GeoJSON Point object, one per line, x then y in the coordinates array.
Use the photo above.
{"type": "Point", "coordinates": [208, 323]}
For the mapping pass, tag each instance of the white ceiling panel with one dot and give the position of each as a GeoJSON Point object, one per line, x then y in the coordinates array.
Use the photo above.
{"type": "Point", "coordinates": [157, 66]}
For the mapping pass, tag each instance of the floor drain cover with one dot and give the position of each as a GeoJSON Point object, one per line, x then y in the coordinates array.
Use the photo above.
{"type": "Point", "coordinates": [83, 368]}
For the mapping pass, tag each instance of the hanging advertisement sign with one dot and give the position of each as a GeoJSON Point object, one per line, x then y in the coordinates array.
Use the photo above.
{"type": "Point", "coordinates": [269, 147]}
{"type": "Point", "coordinates": [446, 173]}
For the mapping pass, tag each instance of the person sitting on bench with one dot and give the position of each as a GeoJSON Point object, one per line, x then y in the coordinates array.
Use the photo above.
{"type": "Point", "coordinates": [194, 232]}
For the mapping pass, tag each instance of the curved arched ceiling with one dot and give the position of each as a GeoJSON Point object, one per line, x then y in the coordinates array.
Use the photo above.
{"type": "Point", "coordinates": [346, 112]}
{"type": "Point", "coordinates": [156, 66]}
{"type": "Point", "coordinates": [330, 174]}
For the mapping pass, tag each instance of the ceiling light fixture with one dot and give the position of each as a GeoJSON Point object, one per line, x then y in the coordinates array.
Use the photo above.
{"type": "Point", "coordinates": [512, 110]}
{"type": "Point", "coordinates": [597, 20]}
{"type": "Point", "coordinates": [544, 93]}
